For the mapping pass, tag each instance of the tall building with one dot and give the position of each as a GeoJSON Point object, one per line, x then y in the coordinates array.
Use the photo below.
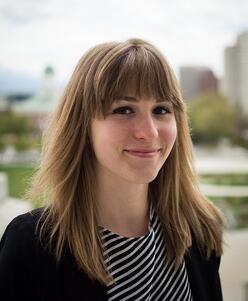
{"type": "Point", "coordinates": [236, 73]}
{"type": "Point", "coordinates": [195, 80]}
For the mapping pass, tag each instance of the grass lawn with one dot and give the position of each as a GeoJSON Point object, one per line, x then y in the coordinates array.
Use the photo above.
{"type": "Point", "coordinates": [238, 206]}
{"type": "Point", "coordinates": [225, 179]}
{"type": "Point", "coordinates": [18, 178]}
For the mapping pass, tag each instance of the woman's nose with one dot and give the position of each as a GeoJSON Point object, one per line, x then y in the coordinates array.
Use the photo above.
{"type": "Point", "coordinates": [145, 128]}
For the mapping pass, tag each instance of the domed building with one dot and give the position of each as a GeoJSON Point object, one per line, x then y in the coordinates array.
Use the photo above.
{"type": "Point", "coordinates": [39, 106]}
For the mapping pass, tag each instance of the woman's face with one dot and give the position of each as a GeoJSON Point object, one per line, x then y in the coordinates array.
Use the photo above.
{"type": "Point", "coordinates": [134, 139]}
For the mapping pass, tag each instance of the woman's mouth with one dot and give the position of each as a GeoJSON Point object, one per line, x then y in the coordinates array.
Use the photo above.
{"type": "Point", "coordinates": [143, 153]}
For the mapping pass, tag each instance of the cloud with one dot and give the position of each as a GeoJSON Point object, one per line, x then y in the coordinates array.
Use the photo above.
{"type": "Point", "coordinates": [22, 12]}
{"type": "Point", "coordinates": [57, 32]}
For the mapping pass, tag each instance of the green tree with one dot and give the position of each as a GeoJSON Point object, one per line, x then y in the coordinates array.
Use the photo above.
{"type": "Point", "coordinates": [13, 124]}
{"type": "Point", "coordinates": [16, 130]}
{"type": "Point", "coordinates": [211, 118]}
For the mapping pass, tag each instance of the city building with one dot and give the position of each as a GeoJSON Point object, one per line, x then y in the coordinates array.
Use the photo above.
{"type": "Point", "coordinates": [236, 73]}
{"type": "Point", "coordinates": [195, 80]}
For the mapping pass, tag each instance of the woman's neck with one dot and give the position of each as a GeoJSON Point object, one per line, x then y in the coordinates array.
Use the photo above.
{"type": "Point", "coordinates": [123, 206]}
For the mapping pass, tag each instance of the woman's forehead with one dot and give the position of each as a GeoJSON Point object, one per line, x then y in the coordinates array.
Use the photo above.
{"type": "Point", "coordinates": [133, 98]}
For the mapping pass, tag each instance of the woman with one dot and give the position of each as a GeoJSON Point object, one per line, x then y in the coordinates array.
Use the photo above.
{"type": "Point", "coordinates": [125, 219]}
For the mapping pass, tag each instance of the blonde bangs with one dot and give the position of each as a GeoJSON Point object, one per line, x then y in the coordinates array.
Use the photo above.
{"type": "Point", "coordinates": [134, 68]}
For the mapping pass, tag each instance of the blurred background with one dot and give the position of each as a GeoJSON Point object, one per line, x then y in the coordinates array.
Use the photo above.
{"type": "Point", "coordinates": [206, 43]}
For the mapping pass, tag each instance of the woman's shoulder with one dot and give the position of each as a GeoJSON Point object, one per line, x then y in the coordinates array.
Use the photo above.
{"type": "Point", "coordinates": [196, 255]}
{"type": "Point", "coordinates": [26, 221]}
{"type": "Point", "coordinates": [19, 246]}
{"type": "Point", "coordinates": [203, 273]}
{"type": "Point", "coordinates": [28, 218]}
{"type": "Point", "coordinates": [21, 230]}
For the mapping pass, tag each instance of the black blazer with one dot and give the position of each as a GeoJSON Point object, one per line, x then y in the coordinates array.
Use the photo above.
{"type": "Point", "coordinates": [28, 272]}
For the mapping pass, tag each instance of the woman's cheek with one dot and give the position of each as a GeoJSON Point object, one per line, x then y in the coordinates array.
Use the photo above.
{"type": "Point", "coordinates": [170, 132]}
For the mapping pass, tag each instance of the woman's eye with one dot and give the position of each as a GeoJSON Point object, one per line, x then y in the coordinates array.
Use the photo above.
{"type": "Point", "coordinates": [123, 110]}
{"type": "Point", "coordinates": [161, 111]}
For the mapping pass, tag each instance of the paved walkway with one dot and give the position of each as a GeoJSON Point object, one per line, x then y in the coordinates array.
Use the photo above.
{"type": "Point", "coordinates": [218, 165]}
{"type": "Point", "coordinates": [234, 265]}
{"type": "Point", "coordinates": [224, 190]}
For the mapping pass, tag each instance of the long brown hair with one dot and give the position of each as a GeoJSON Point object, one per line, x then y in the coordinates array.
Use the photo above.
{"type": "Point", "coordinates": [65, 179]}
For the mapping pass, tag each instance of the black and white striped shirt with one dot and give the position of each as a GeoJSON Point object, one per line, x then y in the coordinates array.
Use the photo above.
{"type": "Point", "coordinates": [138, 267]}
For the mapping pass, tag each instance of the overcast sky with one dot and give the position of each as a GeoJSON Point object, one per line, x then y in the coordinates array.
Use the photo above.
{"type": "Point", "coordinates": [34, 33]}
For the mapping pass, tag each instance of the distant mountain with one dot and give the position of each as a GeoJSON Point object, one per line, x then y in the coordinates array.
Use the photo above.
{"type": "Point", "coordinates": [12, 82]}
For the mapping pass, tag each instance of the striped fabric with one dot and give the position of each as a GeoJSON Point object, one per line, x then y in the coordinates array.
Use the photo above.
{"type": "Point", "coordinates": [139, 270]}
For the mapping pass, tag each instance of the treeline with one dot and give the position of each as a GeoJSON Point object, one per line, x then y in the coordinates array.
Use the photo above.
{"type": "Point", "coordinates": [212, 118]}
{"type": "Point", "coordinates": [18, 131]}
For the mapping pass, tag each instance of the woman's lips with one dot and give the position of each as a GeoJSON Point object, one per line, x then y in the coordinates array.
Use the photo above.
{"type": "Point", "coordinates": [143, 153]}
